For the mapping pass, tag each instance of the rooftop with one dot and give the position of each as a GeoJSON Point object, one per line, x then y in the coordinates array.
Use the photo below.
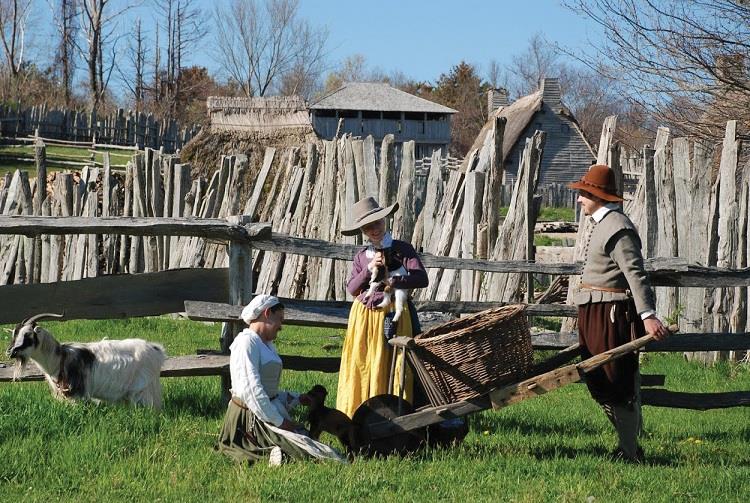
{"type": "Point", "coordinates": [377, 97]}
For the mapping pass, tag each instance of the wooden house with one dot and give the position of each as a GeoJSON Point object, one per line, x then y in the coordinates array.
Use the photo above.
{"type": "Point", "coordinates": [567, 154]}
{"type": "Point", "coordinates": [378, 109]}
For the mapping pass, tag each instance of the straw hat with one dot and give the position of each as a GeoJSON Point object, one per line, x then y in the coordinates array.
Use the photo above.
{"type": "Point", "coordinates": [599, 181]}
{"type": "Point", "coordinates": [366, 211]}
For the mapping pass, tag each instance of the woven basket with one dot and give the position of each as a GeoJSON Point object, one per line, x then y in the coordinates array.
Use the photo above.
{"type": "Point", "coordinates": [470, 356]}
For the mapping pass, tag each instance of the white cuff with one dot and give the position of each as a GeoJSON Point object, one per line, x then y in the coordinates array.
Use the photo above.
{"type": "Point", "coordinates": [646, 314]}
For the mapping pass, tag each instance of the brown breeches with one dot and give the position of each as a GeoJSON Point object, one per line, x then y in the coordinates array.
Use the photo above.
{"type": "Point", "coordinates": [614, 382]}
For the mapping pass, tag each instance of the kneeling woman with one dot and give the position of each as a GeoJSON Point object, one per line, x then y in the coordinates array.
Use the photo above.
{"type": "Point", "coordinates": [257, 424]}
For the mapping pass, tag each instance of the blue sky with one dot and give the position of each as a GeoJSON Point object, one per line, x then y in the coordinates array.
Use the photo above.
{"type": "Point", "coordinates": [420, 38]}
{"type": "Point", "coordinates": [425, 38]}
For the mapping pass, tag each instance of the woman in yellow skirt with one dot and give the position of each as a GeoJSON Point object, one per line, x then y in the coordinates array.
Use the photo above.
{"type": "Point", "coordinates": [366, 356]}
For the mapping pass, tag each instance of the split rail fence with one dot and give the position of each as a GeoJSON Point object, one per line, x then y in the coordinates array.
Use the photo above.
{"type": "Point", "coordinates": [219, 294]}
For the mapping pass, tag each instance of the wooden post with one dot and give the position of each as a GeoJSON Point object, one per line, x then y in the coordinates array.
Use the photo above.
{"type": "Point", "coordinates": [474, 189]}
{"type": "Point", "coordinates": [40, 156]}
{"type": "Point", "coordinates": [387, 190]}
{"type": "Point", "coordinates": [494, 183]}
{"type": "Point", "coordinates": [240, 291]}
{"type": "Point", "coordinates": [403, 221]}
{"type": "Point", "coordinates": [666, 245]}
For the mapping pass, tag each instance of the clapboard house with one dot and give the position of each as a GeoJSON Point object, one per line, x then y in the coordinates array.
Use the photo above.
{"type": "Point", "coordinates": [378, 109]}
{"type": "Point", "coordinates": [567, 153]}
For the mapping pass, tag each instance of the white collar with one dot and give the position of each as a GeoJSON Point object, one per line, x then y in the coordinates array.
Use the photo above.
{"type": "Point", "coordinates": [387, 242]}
{"type": "Point", "coordinates": [599, 214]}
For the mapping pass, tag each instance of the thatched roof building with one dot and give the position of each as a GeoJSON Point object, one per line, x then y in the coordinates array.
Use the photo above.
{"type": "Point", "coordinates": [567, 153]}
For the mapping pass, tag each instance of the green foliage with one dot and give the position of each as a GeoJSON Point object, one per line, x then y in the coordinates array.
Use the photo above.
{"type": "Point", "coordinates": [674, 316]}
{"type": "Point", "coordinates": [550, 448]}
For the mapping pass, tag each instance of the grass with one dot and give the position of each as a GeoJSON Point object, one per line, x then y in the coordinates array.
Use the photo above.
{"type": "Point", "coordinates": [549, 448]}
{"type": "Point", "coordinates": [547, 214]}
{"type": "Point", "coordinates": [71, 153]}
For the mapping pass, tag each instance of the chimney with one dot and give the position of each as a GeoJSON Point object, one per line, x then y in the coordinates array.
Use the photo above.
{"type": "Point", "coordinates": [551, 93]}
{"type": "Point", "coordinates": [496, 98]}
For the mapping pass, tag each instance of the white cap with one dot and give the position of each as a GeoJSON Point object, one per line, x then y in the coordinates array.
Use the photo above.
{"type": "Point", "coordinates": [255, 308]}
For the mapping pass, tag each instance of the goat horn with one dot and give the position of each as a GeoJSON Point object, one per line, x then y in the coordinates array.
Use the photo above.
{"type": "Point", "coordinates": [40, 316]}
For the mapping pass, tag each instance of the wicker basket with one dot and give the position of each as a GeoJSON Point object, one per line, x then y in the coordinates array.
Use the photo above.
{"type": "Point", "coordinates": [470, 356]}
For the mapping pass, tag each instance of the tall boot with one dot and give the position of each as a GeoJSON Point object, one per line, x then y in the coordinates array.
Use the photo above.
{"type": "Point", "coordinates": [627, 424]}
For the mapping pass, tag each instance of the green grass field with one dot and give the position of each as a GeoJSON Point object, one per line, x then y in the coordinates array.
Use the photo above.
{"type": "Point", "coordinates": [550, 448]}
{"type": "Point", "coordinates": [71, 153]}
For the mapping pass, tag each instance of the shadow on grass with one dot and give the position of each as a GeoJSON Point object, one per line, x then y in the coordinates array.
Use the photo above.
{"type": "Point", "coordinates": [180, 402]}
{"type": "Point", "coordinates": [494, 423]}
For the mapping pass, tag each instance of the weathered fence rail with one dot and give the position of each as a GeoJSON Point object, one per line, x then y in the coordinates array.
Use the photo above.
{"type": "Point", "coordinates": [200, 292]}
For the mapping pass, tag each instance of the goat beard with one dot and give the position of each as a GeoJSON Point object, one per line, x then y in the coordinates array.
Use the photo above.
{"type": "Point", "coordinates": [19, 367]}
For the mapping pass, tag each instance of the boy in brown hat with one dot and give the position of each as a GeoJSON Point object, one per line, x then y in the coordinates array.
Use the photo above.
{"type": "Point", "coordinates": [615, 306]}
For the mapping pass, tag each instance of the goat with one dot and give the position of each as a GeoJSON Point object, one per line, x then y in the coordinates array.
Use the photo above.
{"type": "Point", "coordinates": [330, 420]}
{"type": "Point", "coordinates": [379, 276]}
{"type": "Point", "coordinates": [108, 371]}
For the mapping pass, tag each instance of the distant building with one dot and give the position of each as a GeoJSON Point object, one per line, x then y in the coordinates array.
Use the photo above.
{"type": "Point", "coordinates": [378, 109]}
{"type": "Point", "coordinates": [567, 153]}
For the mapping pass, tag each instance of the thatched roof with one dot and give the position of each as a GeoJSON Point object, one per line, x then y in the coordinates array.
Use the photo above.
{"type": "Point", "coordinates": [376, 97]}
{"type": "Point", "coordinates": [518, 115]}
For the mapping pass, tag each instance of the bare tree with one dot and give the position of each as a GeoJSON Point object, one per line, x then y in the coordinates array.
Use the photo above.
{"type": "Point", "coordinates": [260, 42]}
{"type": "Point", "coordinates": [97, 21]}
{"type": "Point", "coordinates": [134, 75]}
{"type": "Point", "coordinates": [182, 26]}
{"type": "Point", "coordinates": [14, 15]}
{"type": "Point", "coordinates": [682, 60]}
{"type": "Point", "coordinates": [67, 29]}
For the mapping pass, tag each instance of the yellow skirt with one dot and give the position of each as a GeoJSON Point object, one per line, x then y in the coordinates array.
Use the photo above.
{"type": "Point", "coordinates": [366, 359]}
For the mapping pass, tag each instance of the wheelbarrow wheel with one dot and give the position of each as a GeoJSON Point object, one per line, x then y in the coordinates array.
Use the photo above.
{"type": "Point", "coordinates": [383, 408]}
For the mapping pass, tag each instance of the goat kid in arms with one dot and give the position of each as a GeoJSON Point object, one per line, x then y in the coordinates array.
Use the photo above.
{"type": "Point", "coordinates": [109, 371]}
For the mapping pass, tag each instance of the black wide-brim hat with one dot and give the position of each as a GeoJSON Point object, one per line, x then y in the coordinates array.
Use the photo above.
{"type": "Point", "coordinates": [366, 211]}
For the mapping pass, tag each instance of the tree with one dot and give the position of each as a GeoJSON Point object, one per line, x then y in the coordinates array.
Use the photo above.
{"type": "Point", "coordinates": [65, 16]}
{"type": "Point", "coordinates": [259, 44]}
{"type": "Point", "coordinates": [14, 15]}
{"type": "Point", "coordinates": [181, 25]}
{"type": "Point", "coordinates": [463, 90]}
{"type": "Point", "coordinates": [136, 54]}
{"type": "Point", "coordinates": [684, 61]}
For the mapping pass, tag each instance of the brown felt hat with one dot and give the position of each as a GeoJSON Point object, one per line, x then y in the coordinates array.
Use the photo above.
{"type": "Point", "coordinates": [599, 181]}
{"type": "Point", "coordinates": [366, 211]}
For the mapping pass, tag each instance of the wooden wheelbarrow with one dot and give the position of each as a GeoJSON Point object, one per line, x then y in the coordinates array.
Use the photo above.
{"type": "Point", "coordinates": [387, 424]}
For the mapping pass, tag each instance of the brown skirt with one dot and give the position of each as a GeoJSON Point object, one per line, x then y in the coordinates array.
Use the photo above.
{"type": "Point", "coordinates": [613, 382]}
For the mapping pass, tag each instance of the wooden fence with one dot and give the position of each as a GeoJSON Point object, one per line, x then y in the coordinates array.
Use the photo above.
{"type": "Point", "coordinates": [219, 294]}
{"type": "Point", "coordinates": [120, 128]}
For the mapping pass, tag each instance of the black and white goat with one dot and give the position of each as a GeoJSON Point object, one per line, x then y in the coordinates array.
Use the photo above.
{"type": "Point", "coordinates": [380, 276]}
{"type": "Point", "coordinates": [110, 371]}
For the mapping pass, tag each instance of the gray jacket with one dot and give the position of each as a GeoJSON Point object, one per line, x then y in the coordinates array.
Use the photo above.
{"type": "Point", "coordinates": [614, 260]}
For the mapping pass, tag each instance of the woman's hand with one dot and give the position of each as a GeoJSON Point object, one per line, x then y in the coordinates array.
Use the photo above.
{"type": "Point", "coordinates": [376, 262]}
{"type": "Point", "coordinates": [290, 425]}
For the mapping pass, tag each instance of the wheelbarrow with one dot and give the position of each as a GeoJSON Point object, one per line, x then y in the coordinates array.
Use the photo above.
{"type": "Point", "coordinates": [388, 424]}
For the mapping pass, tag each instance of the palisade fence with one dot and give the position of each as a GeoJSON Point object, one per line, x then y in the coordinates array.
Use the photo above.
{"type": "Point", "coordinates": [219, 295]}
{"type": "Point", "coordinates": [120, 128]}
{"type": "Point", "coordinates": [307, 191]}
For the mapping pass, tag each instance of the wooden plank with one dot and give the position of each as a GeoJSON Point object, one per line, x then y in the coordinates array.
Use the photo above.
{"type": "Point", "coordinates": [405, 218]}
{"type": "Point", "coordinates": [195, 366]}
{"type": "Point", "coordinates": [695, 401]}
{"type": "Point", "coordinates": [110, 297]}
{"type": "Point", "coordinates": [474, 192]}
{"type": "Point", "coordinates": [208, 228]}
{"type": "Point", "coordinates": [252, 204]}
{"type": "Point", "coordinates": [666, 245]}
{"type": "Point", "coordinates": [335, 313]}
{"type": "Point", "coordinates": [387, 189]}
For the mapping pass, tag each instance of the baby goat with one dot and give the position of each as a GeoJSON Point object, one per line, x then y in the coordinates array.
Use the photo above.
{"type": "Point", "coordinates": [381, 275]}
{"type": "Point", "coordinates": [109, 371]}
